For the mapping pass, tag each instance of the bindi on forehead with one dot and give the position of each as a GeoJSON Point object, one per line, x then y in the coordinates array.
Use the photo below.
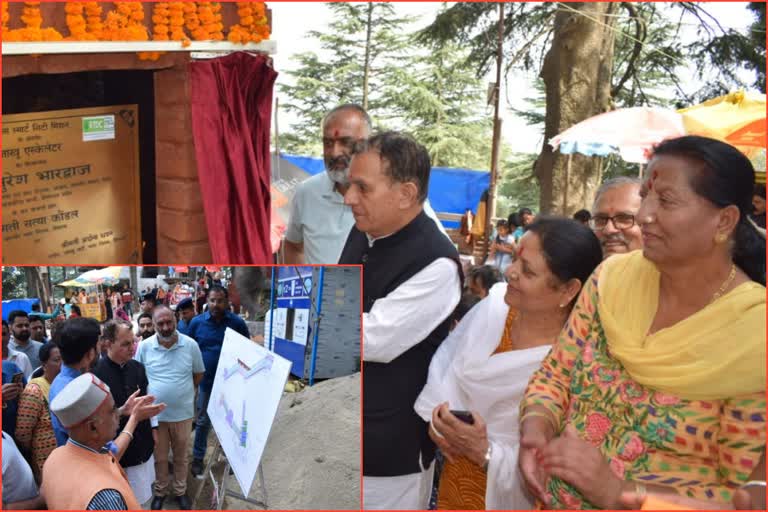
{"type": "Point", "coordinates": [336, 134]}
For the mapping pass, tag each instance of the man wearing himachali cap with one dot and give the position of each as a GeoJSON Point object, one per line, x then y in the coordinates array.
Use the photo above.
{"type": "Point", "coordinates": [84, 474]}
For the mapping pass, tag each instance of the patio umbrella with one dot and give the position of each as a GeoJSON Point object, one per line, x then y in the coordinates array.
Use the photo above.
{"type": "Point", "coordinates": [750, 135]}
{"type": "Point", "coordinates": [726, 116]}
{"type": "Point", "coordinates": [103, 276]}
{"type": "Point", "coordinates": [630, 132]}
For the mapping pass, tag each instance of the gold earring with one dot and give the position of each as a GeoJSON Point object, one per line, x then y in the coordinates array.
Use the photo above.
{"type": "Point", "coordinates": [720, 238]}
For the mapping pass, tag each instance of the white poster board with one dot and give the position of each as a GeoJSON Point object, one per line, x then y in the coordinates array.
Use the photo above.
{"type": "Point", "coordinates": [281, 319]}
{"type": "Point", "coordinates": [246, 392]}
{"type": "Point", "coordinates": [300, 326]}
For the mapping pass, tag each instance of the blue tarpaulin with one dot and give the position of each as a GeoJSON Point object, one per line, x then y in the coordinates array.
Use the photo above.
{"type": "Point", "coordinates": [18, 304]}
{"type": "Point", "coordinates": [450, 190]}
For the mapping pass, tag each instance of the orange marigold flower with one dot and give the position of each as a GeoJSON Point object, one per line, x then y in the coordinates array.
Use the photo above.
{"type": "Point", "coordinates": [234, 36]}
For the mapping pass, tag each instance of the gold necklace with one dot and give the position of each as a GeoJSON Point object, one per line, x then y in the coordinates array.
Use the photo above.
{"type": "Point", "coordinates": [725, 285]}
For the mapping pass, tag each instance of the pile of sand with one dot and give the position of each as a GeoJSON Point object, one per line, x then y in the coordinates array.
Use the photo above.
{"type": "Point", "coordinates": [312, 457]}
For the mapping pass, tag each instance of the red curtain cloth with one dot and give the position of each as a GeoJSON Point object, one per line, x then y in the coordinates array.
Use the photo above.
{"type": "Point", "coordinates": [231, 113]}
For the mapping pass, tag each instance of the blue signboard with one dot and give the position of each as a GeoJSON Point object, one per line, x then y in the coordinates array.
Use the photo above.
{"type": "Point", "coordinates": [291, 317]}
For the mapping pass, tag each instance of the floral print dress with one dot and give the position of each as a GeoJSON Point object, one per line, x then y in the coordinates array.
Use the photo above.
{"type": "Point", "coordinates": [702, 448]}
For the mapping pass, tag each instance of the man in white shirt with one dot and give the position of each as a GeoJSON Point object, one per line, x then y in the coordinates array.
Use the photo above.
{"type": "Point", "coordinates": [19, 489]}
{"type": "Point", "coordinates": [320, 221]}
{"type": "Point", "coordinates": [411, 286]}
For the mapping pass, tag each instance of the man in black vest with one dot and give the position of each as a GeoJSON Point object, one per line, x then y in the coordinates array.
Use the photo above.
{"type": "Point", "coordinates": [124, 376]}
{"type": "Point", "coordinates": [412, 283]}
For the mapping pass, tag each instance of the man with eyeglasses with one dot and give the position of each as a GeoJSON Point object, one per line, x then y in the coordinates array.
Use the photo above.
{"type": "Point", "coordinates": [613, 216]}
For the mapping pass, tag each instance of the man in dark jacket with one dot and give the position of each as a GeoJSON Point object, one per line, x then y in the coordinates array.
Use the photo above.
{"type": "Point", "coordinates": [125, 376]}
{"type": "Point", "coordinates": [411, 285]}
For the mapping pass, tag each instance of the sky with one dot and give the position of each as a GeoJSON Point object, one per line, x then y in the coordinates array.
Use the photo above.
{"type": "Point", "coordinates": [292, 20]}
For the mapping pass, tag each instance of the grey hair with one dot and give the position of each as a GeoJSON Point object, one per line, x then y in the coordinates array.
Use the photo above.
{"type": "Point", "coordinates": [613, 183]}
{"type": "Point", "coordinates": [353, 107]}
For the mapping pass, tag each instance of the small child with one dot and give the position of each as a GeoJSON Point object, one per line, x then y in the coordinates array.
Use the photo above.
{"type": "Point", "coordinates": [503, 246]}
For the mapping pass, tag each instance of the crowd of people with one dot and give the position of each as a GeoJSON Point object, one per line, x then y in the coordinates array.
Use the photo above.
{"type": "Point", "coordinates": [92, 414]}
{"type": "Point", "coordinates": [599, 361]}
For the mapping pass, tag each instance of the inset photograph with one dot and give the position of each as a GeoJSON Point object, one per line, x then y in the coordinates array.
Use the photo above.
{"type": "Point", "coordinates": [212, 387]}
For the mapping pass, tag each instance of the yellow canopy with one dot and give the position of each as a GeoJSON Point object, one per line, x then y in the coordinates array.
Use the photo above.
{"type": "Point", "coordinates": [104, 276]}
{"type": "Point", "coordinates": [737, 118]}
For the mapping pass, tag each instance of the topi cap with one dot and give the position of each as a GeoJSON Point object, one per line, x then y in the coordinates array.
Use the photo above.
{"type": "Point", "coordinates": [79, 400]}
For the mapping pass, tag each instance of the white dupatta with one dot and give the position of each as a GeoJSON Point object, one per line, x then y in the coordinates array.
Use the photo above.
{"type": "Point", "coordinates": [465, 373]}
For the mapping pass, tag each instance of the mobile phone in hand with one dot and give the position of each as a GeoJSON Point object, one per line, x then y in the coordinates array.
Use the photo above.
{"type": "Point", "coordinates": [18, 378]}
{"type": "Point", "coordinates": [464, 416]}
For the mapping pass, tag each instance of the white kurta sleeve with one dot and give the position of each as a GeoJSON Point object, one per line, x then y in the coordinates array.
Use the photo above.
{"type": "Point", "coordinates": [408, 314]}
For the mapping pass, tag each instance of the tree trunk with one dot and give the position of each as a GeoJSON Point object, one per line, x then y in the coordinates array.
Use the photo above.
{"type": "Point", "coordinates": [577, 76]}
{"type": "Point", "coordinates": [134, 280]}
{"type": "Point", "coordinates": [367, 63]}
{"type": "Point", "coordinates": [36, 287]}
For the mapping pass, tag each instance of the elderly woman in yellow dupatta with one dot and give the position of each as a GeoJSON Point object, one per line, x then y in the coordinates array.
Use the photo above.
{"type": "Point", "coordinates": [657, 382]}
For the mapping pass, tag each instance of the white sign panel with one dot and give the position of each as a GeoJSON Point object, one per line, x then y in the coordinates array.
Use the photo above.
{"type": "Point", "coordinates": [246, 392]}
{"type": "Point", "coordinates": [300, 326]}
{"type": "Point", "coordinates": [281, 319]}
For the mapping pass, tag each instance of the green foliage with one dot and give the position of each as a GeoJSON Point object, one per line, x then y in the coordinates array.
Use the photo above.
{"type": "Point", "coordinates": [517, 186]}
{"type": "Point", "coordinates": [647, 52]}
{"type": "Point", "coordinates": [648, 55]}
{"type": "Point", "coordinates": [724, 52]}
{"type": "Point", "coordinates": [474, 25]}
{"type": "Point", "coordinates": [428, 91]}
{"type": "Point", "coordinates": [14, 283]}
{"type": "Point", "coordinates": [335, 75]}
{"type": "Point", "coordinates": [437, 99]}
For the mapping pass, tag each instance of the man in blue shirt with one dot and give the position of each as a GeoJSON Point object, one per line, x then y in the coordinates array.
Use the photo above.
{"type": "Point", "coordinates": [77, 342]}
{"type": "Point", "coordinates": [208, 330]}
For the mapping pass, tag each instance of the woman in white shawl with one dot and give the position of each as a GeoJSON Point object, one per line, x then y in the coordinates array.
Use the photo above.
{"type": "Point", "coordinates": [485, 363]}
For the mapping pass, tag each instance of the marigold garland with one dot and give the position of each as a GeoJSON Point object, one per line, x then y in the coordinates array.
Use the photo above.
{"type": "Point", "coordinates": [161, 22]}
{"type": "Point", "coordinates": [161, 26]}
{"type": "Point", "coordinates": [125, 23]}
{"type": "Point", "coordinates": [191, 20]}
{"type": "Point", "coordinates": [209, 26]}
{"type": "Point", "coordinates": [33, 31]}
{"type": "Point", "coordinates": [253, 26]}
{"type": "Point", "coordinates": [93, 19]}
{"type": "Point", "coordinates": [76, 22]}
{"type": "Point", "coordinates": [202, 21]}
{"type": "Point", "coordinates": [5, 16]}
{"type": "Point", "coordinates": [216, 29]}
{"type": "Point", "coordinates": [177, 10]}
